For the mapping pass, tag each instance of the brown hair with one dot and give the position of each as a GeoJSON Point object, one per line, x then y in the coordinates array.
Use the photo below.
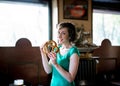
{"type": "Point", "coordinates": [71, 30]}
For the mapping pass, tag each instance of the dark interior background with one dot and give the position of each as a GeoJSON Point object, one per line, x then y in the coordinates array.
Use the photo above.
{"type": "Point", "coordinates": [113, 5]}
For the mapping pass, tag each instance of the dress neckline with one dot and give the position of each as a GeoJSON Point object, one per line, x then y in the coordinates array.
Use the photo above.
{"type": "Point", "coordinates": [63, 54]}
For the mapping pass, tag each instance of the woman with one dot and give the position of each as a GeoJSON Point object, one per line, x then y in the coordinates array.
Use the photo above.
{"type": "Point", "coordinates": [64, 64]}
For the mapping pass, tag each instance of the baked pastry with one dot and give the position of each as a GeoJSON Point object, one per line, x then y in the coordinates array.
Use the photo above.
{"type": "Point", "coordinates": [50, 46]}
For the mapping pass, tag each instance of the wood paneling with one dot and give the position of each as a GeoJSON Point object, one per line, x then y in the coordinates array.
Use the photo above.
{"type": "Point", "coordinates": [23, 61]}
{"type": "Point", "coordinates": [109, 60]}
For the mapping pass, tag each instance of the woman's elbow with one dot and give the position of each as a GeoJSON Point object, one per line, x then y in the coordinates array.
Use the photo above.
{"type": "Point", "coordinates": [48, 72]}
{"type": "Point", "coordinates": [70, 79]}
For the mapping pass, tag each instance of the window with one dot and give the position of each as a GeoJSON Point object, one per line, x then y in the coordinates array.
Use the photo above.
{"type": "Point", "coordinates": [106, 25]}
{"type": "Point", "coordinates": [23, 20]}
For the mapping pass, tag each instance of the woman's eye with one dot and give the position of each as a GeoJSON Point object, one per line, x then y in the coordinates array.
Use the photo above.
{"type": "Point", "coordinates": [63, 33]}
{"type": "Point", "coordinates": [58, 32]}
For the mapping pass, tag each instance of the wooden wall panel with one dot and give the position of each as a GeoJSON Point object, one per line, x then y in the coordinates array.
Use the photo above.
{"type": "Point", "coordinates": [23, 61]}
{"type": "Point", "coordinates": [109, 59]}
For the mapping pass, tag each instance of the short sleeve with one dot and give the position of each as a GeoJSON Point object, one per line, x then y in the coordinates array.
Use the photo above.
{"type": "Point", "coordinates": [74, 50]}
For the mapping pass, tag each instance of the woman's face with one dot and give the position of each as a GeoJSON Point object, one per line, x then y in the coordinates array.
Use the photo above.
{"type": "Point", "coordinates": [63, 36]}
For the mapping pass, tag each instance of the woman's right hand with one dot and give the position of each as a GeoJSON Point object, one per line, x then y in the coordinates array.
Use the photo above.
{"type": "Point", "coordinates": [45, 60]}
{"type": "Point", "coordinates": [41, 47]}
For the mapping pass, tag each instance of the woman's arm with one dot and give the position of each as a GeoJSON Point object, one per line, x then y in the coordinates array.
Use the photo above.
{"type": "Point", "coordinates": [73, 68]}
{"type": "Point", "coordinates": [47, 66]}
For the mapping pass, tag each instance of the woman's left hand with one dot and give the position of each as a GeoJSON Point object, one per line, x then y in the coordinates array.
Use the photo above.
{"type": "Point", "coordinates": [52, 56]}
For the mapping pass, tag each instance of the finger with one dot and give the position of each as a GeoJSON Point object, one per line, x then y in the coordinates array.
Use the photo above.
{"type": "Point", "coordinates": [43, 44]}
{"type": "Point", "coordinates": [51, 56]}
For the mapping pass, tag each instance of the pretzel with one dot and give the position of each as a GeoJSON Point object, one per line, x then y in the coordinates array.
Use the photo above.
{"type": "Point", "coordinates": [50, 46]}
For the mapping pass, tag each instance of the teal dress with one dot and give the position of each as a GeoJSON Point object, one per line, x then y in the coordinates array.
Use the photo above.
{"type": "Point", "coordinates": [63, 61]}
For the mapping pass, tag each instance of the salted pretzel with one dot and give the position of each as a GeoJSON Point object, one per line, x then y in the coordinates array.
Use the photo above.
{"type": "Point", "coordinates": [50, 46]}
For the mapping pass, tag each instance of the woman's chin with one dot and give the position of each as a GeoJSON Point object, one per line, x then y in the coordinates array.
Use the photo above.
{"type": "Point", "coordinates": [59, 43]}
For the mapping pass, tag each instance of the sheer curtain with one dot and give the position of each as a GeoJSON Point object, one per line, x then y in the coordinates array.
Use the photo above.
{"type": "Point", "coordinates": [106, 25]}
{"type": "Point", "coordinates": [23, 20]}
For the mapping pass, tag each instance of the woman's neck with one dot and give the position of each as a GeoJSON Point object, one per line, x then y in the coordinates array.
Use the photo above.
{"type": "Point", "coordinates": [66, 46]}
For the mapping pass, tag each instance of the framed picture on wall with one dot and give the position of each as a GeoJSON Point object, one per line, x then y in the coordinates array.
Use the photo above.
{"type": "Point", "coordinates": [75, 9]}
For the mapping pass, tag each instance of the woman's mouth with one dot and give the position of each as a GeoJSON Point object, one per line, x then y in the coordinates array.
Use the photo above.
{"type": "Point", "coordinates": [60, 40]}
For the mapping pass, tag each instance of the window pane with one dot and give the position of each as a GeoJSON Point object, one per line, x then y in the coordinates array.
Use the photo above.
{"type": "Point", "coordinates": [23, 20]}
{"type": "Point", "coordinates": [106, 25]}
